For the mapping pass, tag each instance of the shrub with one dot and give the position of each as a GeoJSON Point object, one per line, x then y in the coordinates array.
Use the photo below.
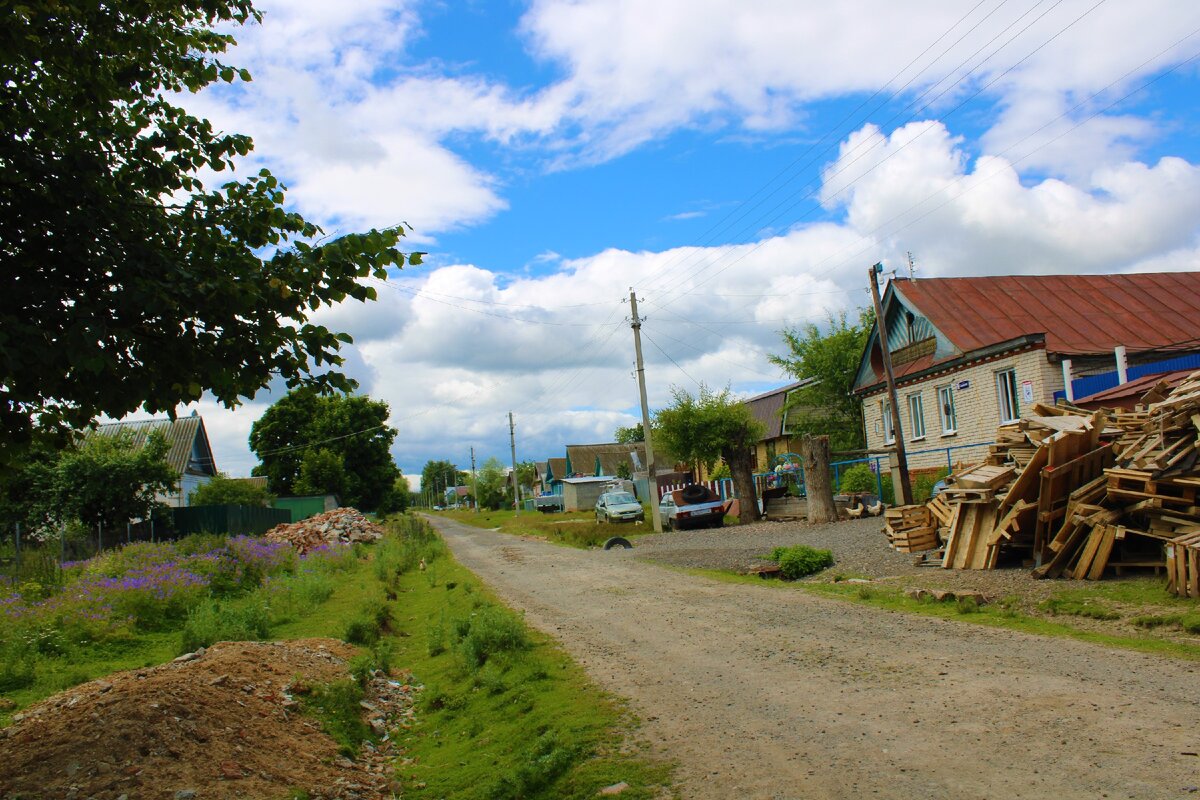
{"type": "Point", "coordinates": [486, 633]}
{"type": "Point", "coordinates": [922, 485]}
{"type": "Point", "coordinates": [371, 622]}
{"type": "Point", "coordinates": [336, 705]}
{"type": "Point", "coordinates": [858, 479]}
{"type": "Point", "coordinates": [801, 560]}
{"type": "Point", "coordinates": [212, 622]}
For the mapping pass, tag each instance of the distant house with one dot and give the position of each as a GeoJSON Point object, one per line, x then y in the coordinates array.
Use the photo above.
{"type": "Point", "coordinates": [580, 494]}
{"type": "Point", "coordinates": [190, 454]}
{"type": "Point", "coordinates": [597, 460]}
{"type": "Point", "coordinates": [551, 476]}
{"type": "Point", "coordinates": [970, 353]}
{"type": "Point", "coordinates": [770, 409]}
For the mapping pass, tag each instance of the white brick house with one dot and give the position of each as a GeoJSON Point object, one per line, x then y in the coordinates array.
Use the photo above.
{"type": "Point", "coordinates": [972, 353]}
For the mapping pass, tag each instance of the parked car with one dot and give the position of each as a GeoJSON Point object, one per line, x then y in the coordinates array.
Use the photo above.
{"type": "Point", "coordinates": [694, 506]}
{"type": "Point", "coordinates": [619, 507]}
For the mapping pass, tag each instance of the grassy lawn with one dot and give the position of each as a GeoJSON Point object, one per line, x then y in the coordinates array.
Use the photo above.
{"type": "Point", "coordinates": [504, 712]}
{"type": "Point", "coordinates": [1131, 613]}
{"type": "Point", "coordinates": [571, 528]}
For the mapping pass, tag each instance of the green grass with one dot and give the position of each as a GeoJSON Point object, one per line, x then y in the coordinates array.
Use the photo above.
{"type": "Point", "coordinates": [573, 528]}
{"type": "Point", "coordinates": [505, 713]}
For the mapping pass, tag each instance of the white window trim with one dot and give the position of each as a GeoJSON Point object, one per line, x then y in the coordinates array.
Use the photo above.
{"type": "Point", "coordinates": [912, 422]}
{"type": "Point", "coordinates": [949, 390]}
{"type": "Point", "coordinates": [1012, 388]}
{"type": "Point", "coordinates": [889, 435]}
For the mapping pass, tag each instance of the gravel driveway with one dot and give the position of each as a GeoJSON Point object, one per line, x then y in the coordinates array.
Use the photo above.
{"type": "Point", "coordinates": [763, 692]}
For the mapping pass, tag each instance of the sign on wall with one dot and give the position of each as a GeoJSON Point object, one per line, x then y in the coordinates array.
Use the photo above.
{"type": "Point", "coordinates": [1026, 391]}
{"type": "Point", "coordinates": [964, 385]}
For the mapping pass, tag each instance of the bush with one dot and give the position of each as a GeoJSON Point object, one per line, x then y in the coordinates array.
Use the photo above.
{"type": "Point", "coordinates": [372, 621]}
{"type": "Point", "coordinates": [922, 485]}
{"type": "Point", "coordinates": [487, 632]}
{"type": "Point", "coordinates": [858, 479]}
{"type": "Point", "coordinates": [212, 622]}
{"type": "Point", "coordinates": [801, 560]}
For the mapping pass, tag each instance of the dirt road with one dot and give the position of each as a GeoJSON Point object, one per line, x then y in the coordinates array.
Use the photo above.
{"type": "Point", "coordinates": [766, 693]}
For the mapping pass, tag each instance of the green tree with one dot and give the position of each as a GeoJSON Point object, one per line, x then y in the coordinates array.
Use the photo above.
{"type": "Point", "coordinates": [830, 361]}
{"type": "Point", "coordinates": [312, 443]}
{"type": "Point", "coordinates": [634, 433]}
{"type": "Point", "coordinates": [222, 490]}
{"type": "Point", "coordinates": [491, 484]}
{"type": "Point", "coordinates": [397, 499]}
{"type": "Point", "coordinates": [108, 480]}
{"type": "Point", "coordinates": [437, 475]}
{"type": "Point", "coordinates": [526, 474]}
{"type": "Point", "coordinates": [708, 427]}
{"type": "Point", "coordinates": [127, 282]}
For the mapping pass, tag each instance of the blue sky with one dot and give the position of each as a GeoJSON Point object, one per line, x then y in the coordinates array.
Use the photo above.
{"type": "Point", "coordinates": [740, 164]}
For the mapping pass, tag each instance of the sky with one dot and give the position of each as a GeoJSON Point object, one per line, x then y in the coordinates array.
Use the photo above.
{"type": "Point", "coordinates": [740, 165]}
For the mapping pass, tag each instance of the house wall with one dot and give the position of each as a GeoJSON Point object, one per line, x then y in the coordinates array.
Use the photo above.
{"type": "Point", "coordinates": [977, 408]}
{"type": "Point", "coordinates": [582, 496]}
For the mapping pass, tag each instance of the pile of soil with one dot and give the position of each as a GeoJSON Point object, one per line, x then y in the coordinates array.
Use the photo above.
{"type": "Point", "coordinates": [340, 526]}
{"type": "Point", "coordinates": [218, 723]}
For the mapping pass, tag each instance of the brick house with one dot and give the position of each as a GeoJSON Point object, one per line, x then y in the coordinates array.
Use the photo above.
{"type": "Point", "coordinates": [971, 353]}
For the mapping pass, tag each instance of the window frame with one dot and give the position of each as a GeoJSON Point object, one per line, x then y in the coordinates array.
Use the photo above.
{"type": "Point", "coordinates": [1006, 383]}
{"type": "Point", "coordinates": [916, 432]}
{"type": "Point", "coordinates": [947, 393]}
{"type": "Point", "coordinates": [889, 435]}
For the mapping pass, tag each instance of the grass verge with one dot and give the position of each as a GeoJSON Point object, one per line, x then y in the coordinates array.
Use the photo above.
{"type": "Point", "coordinates": [573, 528]}
{"type": "Point", "coordinates": [504, 713]}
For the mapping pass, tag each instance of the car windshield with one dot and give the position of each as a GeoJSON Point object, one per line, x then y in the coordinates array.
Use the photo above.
{"type": "Point", "coordinates": [621, 497]}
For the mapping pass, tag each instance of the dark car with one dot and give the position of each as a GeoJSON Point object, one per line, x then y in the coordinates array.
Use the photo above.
{"type": "Point", "coordinates": [693, 506]}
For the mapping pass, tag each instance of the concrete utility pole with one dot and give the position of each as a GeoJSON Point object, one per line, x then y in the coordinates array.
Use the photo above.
{"type": "Point", "coordinates": [474, 481]}
{"type": "Point", "coordinates": [512, 443]}
{"type": "Point", "coordinates": [900, 482]}
{"type": "Point", "coordinates": [651, 471]}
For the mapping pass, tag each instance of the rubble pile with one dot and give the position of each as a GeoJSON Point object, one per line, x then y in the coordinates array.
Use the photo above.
{"type": "Point", "coordinates": [340, 526]}
{"type": "Point", "coordinates": [1075, 493]}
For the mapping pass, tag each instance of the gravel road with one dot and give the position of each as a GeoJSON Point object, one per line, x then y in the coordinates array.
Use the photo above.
{"type": "Point", "coordinates": [763, 692]}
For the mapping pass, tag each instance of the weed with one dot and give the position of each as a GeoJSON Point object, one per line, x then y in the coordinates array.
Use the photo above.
{"type": "Point", "coordinates": [1059, 606]}
{"type": "Point", "coordinates": [548, 760]}
{"type": "Point", "coordinates": [336, 706]}
{"type": "Point", "coordinates": [212, 622]}
{"type": "Point", "coordinates": [437, 636]}
{"type": "Point", "coordinates": [1150, 621]}
{"type": "Point", "coordinates": [487, 632]}
{"type": "Point", "coordinates": [865, 593]}
{"type": "Point", "coordinates": [800, 560]}
{"type": "Point", "coordinates": [967, 605]}
{"type": "Point", "coordinates": [372, 621]}
{"type": "Point", "coordinates": [1190, 623]}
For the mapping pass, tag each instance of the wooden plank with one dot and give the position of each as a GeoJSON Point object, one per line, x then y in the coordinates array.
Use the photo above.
{"type": "Point", "coordinates": [1108, 538]}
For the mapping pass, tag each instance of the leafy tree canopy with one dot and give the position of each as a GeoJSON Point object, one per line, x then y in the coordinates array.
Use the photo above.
{"type": "Point", "coordinates": [222, 490]}
{"type": "Point", "coordinates": [526, 473]}
{"type": "Point", "coordinates": [634, 433]}
{"type": "Point", "coordinates": [830, 360]}
{"type": "Point", "coordinates": [492, 484]}
{"type": "Point", "coordinates": [437, 475]}
{"type": "Point", "coordinates": [127, 281]}
{"type": "Point", "coordinates": [310, 443]}
{"type": "Point", "coordinates": [711, 426]}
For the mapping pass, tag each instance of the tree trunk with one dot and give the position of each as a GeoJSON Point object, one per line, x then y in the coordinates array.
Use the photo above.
{"type": "Point", "coordinates": [741, 468]}
{"type": "Point", "coordinates": [814, 450]}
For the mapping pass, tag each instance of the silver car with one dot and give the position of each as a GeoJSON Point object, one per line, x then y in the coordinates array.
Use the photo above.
{"type": "Point", "coordinates": [619, 507]}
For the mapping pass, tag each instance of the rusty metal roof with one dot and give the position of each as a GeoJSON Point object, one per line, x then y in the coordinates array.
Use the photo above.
{"type": "Point", "coordinates": [182, 435]}
{"type": "Point", "coordinates": [767, 408]}
{"type": "Point", "coordinates": [610, 455]}
{"type": "Point", "coordinates": [1078, 314]}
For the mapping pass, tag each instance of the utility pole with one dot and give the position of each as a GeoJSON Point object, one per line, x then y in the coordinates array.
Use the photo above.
{"type": "Point", "coordinates": [474, 481]}
{"type": "Point", "coordinates": [651, 471]}
{"type": "Point", "coordinates": [900, 482]}
{"type": "Point", "coordinates": [512, 443]}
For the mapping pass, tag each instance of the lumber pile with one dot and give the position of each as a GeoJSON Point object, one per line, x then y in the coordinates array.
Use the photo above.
{"type": "Point", "coordinates": [340, 526]}
{"type": "Point", "coordinates": [910, 529]}
{"type": "Point", "coordinates": [1075, 493]}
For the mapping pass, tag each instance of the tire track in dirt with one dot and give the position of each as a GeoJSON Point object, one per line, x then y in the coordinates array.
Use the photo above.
{"type": "Point", "coordinates": [766, 693]}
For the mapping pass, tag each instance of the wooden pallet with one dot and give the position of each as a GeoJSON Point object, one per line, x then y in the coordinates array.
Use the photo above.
{"type": "Point", "coordinates": [1183, 565]}
{"type": "Point", "coordinates": [967, 543]}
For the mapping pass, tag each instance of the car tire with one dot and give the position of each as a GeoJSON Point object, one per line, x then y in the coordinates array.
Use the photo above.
{"type": "Point", "coordinates": [694, 493]}
{"type": "Point", "coordinates": [618, 541]}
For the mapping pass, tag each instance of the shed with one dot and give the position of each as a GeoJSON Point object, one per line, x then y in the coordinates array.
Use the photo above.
{"type": "Point", "coordinates": [581, 494]}
{"type": "Point", "coordinates": [308, 505]}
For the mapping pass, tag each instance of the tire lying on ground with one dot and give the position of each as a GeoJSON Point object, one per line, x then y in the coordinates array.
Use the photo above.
{"type": "Point", "coordinates": [618, 541]}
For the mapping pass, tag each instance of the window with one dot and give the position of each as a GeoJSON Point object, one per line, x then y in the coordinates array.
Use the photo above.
{"type": "Point", "coordinates": [885, 409]}
{"type": "Point", "coordinates": [946, 410]}
{"type": "Point", "coordinates": [1006, 393]}
{"type": "Point", "coordinates": [916, 417]}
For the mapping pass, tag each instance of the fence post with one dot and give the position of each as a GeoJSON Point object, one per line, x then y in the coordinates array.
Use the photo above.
{"type": "Point", "coordinates": [151, 527]}
{"type": "Point", "coordinates": [17, 574]}
{"type": "Point", "coordinates": [949, 461]}
{"type": "Point", "coordinates": [99, 538]}
{"type": "Point", "coordinates": [878, 480]}
{"type": "Point", "coordinates": [128, 532]}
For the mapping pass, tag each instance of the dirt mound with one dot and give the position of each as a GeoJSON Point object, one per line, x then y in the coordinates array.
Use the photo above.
{"type": "Point", "coordinates": [215, 724]}
{"type": "Point", "coordinates": [342, 525]}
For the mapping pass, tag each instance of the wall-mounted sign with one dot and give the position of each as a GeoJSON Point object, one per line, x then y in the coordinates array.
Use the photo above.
{"type": "Point", "coordinates": [1026, 391]}
{"type": "Point", "coordinates": [964, 385]}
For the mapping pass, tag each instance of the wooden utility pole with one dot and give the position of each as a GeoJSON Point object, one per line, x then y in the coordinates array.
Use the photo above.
{"type": "Point", "coordinates": [474, 481]}
{"type": "Point", "coordinates": [900, 482]}
{"type": "Point", "coordinates": [512, 443]}
{"type": "Point", "coordinates": [651, 470]}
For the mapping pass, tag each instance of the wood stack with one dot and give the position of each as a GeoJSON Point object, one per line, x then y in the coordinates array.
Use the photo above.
{"type": "Point", "coordinates": [910, 529]}
{"type": "Point", "coordinates": [1075, 493]}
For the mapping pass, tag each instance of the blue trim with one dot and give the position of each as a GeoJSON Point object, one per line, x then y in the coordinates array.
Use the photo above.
{"type": "Point", "coordinates": [1091, 384]}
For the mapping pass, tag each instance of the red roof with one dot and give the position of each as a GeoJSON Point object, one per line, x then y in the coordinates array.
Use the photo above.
{"type": "Point", "coordinates": [1079, 314]}
{"type": "Point", "coordinates": [1127, 394]}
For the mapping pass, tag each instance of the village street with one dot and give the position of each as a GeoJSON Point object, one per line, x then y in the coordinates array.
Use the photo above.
{"type": "Point", "coordinates": [765, 692]}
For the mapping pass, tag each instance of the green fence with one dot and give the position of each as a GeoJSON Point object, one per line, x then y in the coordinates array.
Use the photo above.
{"type": "Point", "coordinates": [234, 520]}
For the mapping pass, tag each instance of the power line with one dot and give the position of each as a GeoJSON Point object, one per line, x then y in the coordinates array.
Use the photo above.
{"type": "Point", "coordinates": [673, 361]}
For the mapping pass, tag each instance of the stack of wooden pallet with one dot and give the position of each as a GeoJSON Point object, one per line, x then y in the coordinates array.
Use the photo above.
{"type": "Point", "coordinates": [1075, 493]}
{"type": "Point", "coordinates": [910, 529]}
